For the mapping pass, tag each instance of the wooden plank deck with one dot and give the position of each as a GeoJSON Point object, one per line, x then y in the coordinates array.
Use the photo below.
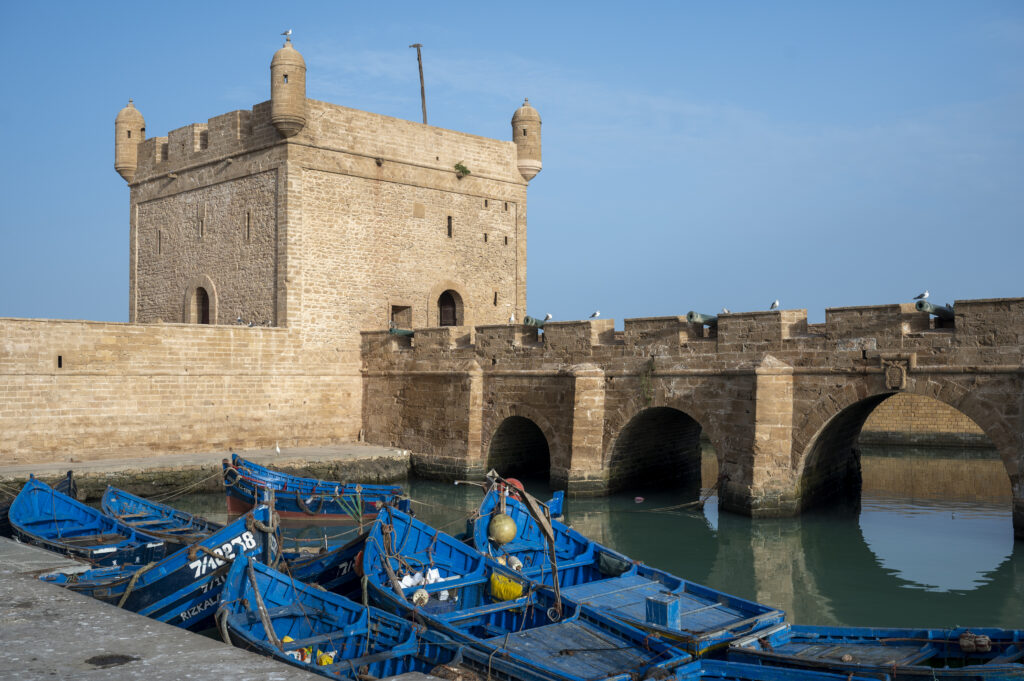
{"type": "Point", "coordinates": [627, 597]}
{"type": "Point", "coordinates": [573, 648]}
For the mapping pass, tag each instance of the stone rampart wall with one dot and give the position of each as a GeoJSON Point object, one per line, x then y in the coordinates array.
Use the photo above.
{"type": "Point", "coordinates": [91, 390]}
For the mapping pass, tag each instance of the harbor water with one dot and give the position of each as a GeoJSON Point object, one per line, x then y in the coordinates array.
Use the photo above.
{"type": "Point", "coordinates": [940, 555]}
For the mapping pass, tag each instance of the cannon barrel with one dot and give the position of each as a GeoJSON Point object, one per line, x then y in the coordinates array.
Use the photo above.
{"type": "Point", "coordinates": [533, 321]}
{"type": "Point", "coordinates": [401, 332]}
{"type": "Point", "coordinates": [698, 318]}
{"type": "Point", "coordinates": [941, 312]}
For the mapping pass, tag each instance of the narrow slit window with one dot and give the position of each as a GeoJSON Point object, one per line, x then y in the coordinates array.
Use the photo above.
{"type": "Point", "coordinates": [248, 225]}
{"type": "Point", "coordinates": [524, 132]}
{"type": "Point", "coordinates": [506, 241]}
{"type": "Point", "coordinates": [495, 299]}
{"type": "Point", "coordinates": [202, 227]}
{"type": "Point", "coordinates": [129, 134]}
{"type": "Point", "coordinates": [449, 226]}
{"type": "Point", "coordinates": [60, 361]}
{"type": "Point", "coordinates": [159, 242]}
{"type": "Point", "coordinates": [286, 80]}
{"type": "Point", "coordinates": [506, 205]}
{"type": "Point", "coordinates": [485, 200]}
{"type": "Point", "coordinates": [485, 237]}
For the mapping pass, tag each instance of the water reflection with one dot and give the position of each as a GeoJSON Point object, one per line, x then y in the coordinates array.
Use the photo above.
{"type": "Point", "coordinates": [893, 560]}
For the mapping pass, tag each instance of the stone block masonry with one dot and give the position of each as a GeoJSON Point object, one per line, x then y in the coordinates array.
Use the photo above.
{"type": "Point", "coordinates": [87, 390]}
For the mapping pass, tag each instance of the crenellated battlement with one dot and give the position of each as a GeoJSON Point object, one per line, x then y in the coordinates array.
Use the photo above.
{"type": "Point", "coordinates": [222, 136]}
{"type": "Point", "coordinates": [984, 332]}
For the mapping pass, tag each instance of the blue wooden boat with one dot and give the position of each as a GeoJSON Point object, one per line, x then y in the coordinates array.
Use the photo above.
{"type": "Point", "coordinates": [697, 618]}
{"type": "Point", "coordinates": [43, 516]}
{"type": "Point", "coordinates": [272, 613]}
{"type": "Point", "coordinates": [176, 528]}
{"type": "Point", "coordinates": [184, 588]}
{"type": "Point", "coordinates": [247, 483]}
{"type": "Point", "coordinates": [66, 485]}
{"type": "Point", "coordinates": [897, 654]}
{"type": "Point", "coordinates": [478, 602]}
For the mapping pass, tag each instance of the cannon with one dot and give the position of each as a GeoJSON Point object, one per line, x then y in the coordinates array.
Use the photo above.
{"type": "Point", "coordinates": [401, 332]}
{"type": "Point", "coordinates": [698, 318]}
{"type": "Point", "coordinates": [943, 313]}
{"type": "Point", "coordinates": [533, 321]}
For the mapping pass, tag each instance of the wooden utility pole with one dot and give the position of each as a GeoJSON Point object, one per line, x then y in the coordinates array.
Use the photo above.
{"type": "Point", "coordinates": [423, 92]}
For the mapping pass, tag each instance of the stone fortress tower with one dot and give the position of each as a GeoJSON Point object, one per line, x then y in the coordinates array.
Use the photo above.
{"type": "Point", "coordinates": [325, 220]}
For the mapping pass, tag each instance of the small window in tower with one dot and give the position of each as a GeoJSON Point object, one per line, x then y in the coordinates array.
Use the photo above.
{"type": "Point", "coordinates": [60, 361]}
{"type": "Point", "coordinates": [506, 241]}
{"type": "Point", "coordinates": [524, 132]}
{"type": "Point", "coordinates": [506, 205]}
{"type": "Point", "coordinates": [495, 298]}
{"type": "Point", "coordinates": [159, 241]}
{"type": "Point", "coordinates": [286, 77]}
{"type": "Point", "coordinates": [449, 226]}
{"type": "Point", "coordinates": [485, 237]}
{"type": "Point", "coordinates": [202, 227]}
{"type": "Point", "coordinates": [485, 200]}
{"type": "Point", "coordinates": [129, 134]}
{"type": "Point", "coordinates": [248, 225]}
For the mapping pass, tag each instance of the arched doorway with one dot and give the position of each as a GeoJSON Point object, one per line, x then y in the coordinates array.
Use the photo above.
{"type": "Point", "coordinates": [202, 302]}
{"type": "Point", "coordinates": [659, 447]}
{"type": "Point", "coordinates": [449, 309]}
{"type": "Point", "coordinates": [519, 449]}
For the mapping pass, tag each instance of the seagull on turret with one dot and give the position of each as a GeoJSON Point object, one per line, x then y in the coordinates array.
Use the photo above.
{"type": "Point", "coordinates": [725, 310]}
{"type": "Point", "coordinates": [922, 296]}
{"type": "Point", "coordinates": [547, 317]}
{"type": "Point", "coordinates": [240, 320]}
{"type": "Point", "coordinates": [512, 318]}
{"type": "Point", "coordinates": [775, 305]}
{"type": "Point", "coordinates": [287, 34]}
{"type": "Point", "coordinates": [595, 314]}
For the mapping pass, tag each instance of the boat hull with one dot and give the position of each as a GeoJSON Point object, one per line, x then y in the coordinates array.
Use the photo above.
{"type": "Point", "coordinates": [895, 654]}
{"type": "Point", "coordinates": [183, 589]}
{"type": "Point", "coordinates": [247, 483]}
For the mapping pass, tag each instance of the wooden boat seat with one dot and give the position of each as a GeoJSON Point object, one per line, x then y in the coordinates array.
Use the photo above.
{"type": "Point", "coordinates": [340, 635]}
{"type": "Point", "coordinates": [94, 539]}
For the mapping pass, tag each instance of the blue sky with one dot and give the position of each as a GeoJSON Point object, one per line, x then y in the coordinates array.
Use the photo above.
{"type": "Point", "coordinates": [695, 154]}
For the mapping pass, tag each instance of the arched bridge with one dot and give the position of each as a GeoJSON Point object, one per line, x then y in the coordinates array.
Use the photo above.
{"type": "Point", "coordinates": [781, 400]}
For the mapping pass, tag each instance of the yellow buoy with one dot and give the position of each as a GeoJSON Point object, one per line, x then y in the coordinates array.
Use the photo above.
{"type": "Point", "coordinates": [502, 529]}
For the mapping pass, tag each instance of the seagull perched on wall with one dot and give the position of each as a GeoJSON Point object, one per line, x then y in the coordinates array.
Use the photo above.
{"type": "Point", "coordinates": [595, 314]}
{"type": "Point", "coordinates": [922, 296]}
{"type": "Point", "coordinates": [287, 34]}
{"type": "Point", "coordinates": [277, 447]}
{"type": "Point", "coordinates": [775, 305]}
{"type": "Point", "coordinates": [240, 320]}
{"type": "Point", "coordinates": [512, 318]}
{"type": "Point", "coordinates": [547, 317]}
{"type": "Point", "coordinates": [725, 310]}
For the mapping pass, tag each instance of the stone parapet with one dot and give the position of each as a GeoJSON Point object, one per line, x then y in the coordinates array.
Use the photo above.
{"type": "Point", "coordinates": [853, 338]}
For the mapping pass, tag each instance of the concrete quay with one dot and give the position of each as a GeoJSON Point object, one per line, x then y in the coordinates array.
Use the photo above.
{"type": "Point", "coordinates": [49, 632]}
{"type": "Point", "coordinates": [150, 475]}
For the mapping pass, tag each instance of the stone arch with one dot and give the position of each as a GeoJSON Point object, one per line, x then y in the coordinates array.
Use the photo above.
{"type": "Point", "coordinates": [835, 422]}
{"type": "Point", "coordinates": [463, 312]}
{"type": "Point", "coordinates": [192, 312]}
{"type": "Point", "coordinates": [520, 444]}
{"type": "Point", "coordinates": [690, 407]}
{"type": "Point", "coordinates": [658, 446]}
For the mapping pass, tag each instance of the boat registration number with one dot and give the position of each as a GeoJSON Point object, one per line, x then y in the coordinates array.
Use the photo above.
{"type": "Point", "coordinates": [225, 552]}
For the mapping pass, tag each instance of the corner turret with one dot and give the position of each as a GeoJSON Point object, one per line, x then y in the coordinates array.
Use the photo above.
{"type": "Point", "coordinates": [288, 90]}
{"type": "Point", "coordinates": [129, 131]}
{"type": "Point", "coordinates": [526, 135]}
